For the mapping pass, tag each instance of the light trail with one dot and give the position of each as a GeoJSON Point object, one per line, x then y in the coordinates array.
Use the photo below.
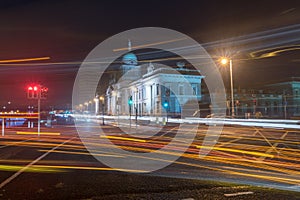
{"type": "Point", "coordinates": [123, 138]}
{"type": "Point", "coordinates": [32, 169]}
{"type": "Point", "coordinates": [24, 60]}
{"type": "Point", "coordinates": [37, 133]}
{"type": "Point", "coordinates": [23, 169]}
{"type": "Point", "coordinates": [272, 52]}
{"type": "Point", "coordinates": [238, 152]}
{"type": "Point", "coordinates": [150, 44]}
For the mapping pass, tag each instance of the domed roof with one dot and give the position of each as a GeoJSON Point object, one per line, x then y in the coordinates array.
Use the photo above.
{"type": "Point", "coordinates": [130, 59]}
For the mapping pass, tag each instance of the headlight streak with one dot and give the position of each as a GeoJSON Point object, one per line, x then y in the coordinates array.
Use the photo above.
{"type": "Point", "coordinates": [227, 157]}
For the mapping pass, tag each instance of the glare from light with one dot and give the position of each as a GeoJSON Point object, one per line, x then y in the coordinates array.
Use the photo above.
{"type": "Point", "coordinates": [224, 61]}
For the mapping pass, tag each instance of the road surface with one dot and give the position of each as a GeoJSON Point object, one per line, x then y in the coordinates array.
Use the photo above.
{"type": "Point", "coordinates": [57, 160]}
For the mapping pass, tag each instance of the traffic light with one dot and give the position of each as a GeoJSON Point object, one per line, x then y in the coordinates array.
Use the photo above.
{"type": "Point", "coordinates": [36, 92]}
{"type": "Point", "coordinates": [44, 93]}
{"type": "Point", "coordinates": [166, 104]}
{"type": "Point", "coordinates": [130, 101]}
{"type": "Point", "coordinates": [29, 92]}
{"type": "Point", "coordinates": [254, 102]}
{"type": "Point", "coordinates": [33, 92]}
{"type": "Point", "coordinates": [167, 92]}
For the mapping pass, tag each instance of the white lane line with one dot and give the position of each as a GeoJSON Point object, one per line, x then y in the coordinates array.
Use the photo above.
{"type": "Point", "coordinates": [238, 194]}
{"type": "Point", "coordinates": [8, 180]}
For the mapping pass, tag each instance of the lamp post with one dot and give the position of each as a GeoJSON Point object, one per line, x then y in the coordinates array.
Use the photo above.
{"type": "Point", "coordinates": [224, 61]}
{"type": "Point", "coordinates": [136, 105]}
{"type": "Point", "coordinates": [80, 107]}
{"type": "Point", "coordinates": [87, 106]}
{"type": "Point", "coordinates": [96, 100]}
{"type": "Point", "coordinates": [102, 105]}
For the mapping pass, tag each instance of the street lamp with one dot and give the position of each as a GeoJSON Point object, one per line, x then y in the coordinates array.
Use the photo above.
{"type": "Point", "coordinates": [102, 105]}
{"type": "Point", "coordinates": [224, 61]}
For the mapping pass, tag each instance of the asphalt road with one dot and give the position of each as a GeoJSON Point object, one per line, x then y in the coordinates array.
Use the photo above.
{"type": "Point", "coordinates": [58, 165]}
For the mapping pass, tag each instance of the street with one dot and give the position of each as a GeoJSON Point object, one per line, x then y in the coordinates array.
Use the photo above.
{"type": "Point", "coordinates": [32, 166]}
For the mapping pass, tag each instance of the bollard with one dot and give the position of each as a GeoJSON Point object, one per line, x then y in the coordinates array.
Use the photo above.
{"type": "Point", "coordinates": [164, 121]}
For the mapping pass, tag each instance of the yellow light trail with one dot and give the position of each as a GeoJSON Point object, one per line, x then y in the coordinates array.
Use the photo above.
{"type": "Point", "coordinates": [89, 168]}
{"type": "Point", "coordinates": [237, 151]}
{"type": "Point", "coordinates": [123, 138]}
{"type": "Point", "coordinates": [283, 170]}
{"type": "Point", "coordinates": [274, 53]}
{"type": "Point", "coordinates": [24, 60]}
{"type": "Point", "coordinates": [36, 133]}
{"type": "Point", "coordinates": [84, 153]}
{"type": "Point", "coordinates": [34, 169]}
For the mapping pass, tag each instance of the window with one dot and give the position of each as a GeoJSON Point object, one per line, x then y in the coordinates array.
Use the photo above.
{"type": "Point", "coordinates": [167, 89]}
{"type": "Point", "coordinates": [181, 90]}
{"type": "Point", "coordinates": [157, 89]}
{"type": "Point", "coordinates": [195, 91]}
{"type": "Point", "coordinates": [144, 92]}
{"type": "Point", "coordinates": [275, 107]}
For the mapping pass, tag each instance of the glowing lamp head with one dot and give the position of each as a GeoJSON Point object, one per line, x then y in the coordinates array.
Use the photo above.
{"type": "Point", "coordinates": [35, 88]}
{"type": "Point", "coordinates": [224, 61]}
{"type": "Point", "coordinates": [30, 88]}
{"type": "Point", "coordinates": [166, 104]}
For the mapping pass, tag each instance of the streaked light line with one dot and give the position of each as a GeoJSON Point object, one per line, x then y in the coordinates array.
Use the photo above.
{"type": "Point", "coordinates": [123, 138]}
{"type": "Point", "coordinates": [24, 60]}
{"type": "Point", "coordinates": [273, 51]}
{"type": "Point", "coordinates": [84, 153]}
{"type": "Point", "coordinates": [35, 133]}
{"type": "Point", "coordinates": [34, 169]}
{"type": "Point", "coordinates": [149, 45]}
{"type": "Point", "coordinates": [91, 168]}
{"type": "Point", "coordinates": [15, 175]}
{"type": "Point", "coordinates": [237, 151]}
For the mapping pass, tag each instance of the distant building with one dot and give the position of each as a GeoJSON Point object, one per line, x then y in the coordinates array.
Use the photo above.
{"type": "Point", "coordinates": [276, 100]}
{"type": "Point", "coordinates": [290, 91]}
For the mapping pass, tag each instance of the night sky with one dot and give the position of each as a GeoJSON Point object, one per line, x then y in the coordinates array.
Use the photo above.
{"type": "Point", "coordinates": [67, 30]}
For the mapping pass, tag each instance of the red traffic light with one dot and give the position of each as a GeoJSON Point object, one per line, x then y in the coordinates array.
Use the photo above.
{"type": "Point", "coordinates": [33, 91]}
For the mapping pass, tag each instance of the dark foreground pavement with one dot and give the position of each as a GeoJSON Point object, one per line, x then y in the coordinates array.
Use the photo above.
{"type": "Point", "coordinates": [87, 184]}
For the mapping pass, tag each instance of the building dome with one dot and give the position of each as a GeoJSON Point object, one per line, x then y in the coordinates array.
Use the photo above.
{"type": "Point", "coordinates": [130, 59]}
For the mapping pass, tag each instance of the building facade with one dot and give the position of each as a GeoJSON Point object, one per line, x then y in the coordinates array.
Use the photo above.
{"type": "Point", "coordinates": [158, 90]}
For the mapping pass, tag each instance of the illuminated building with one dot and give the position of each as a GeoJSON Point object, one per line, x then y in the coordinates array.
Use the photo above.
{"type": "Point", "coordinates": [155, 89]}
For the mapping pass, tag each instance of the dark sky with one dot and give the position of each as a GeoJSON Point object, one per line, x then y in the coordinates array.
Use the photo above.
{"type": "Point", "coordinates": [66, 30]}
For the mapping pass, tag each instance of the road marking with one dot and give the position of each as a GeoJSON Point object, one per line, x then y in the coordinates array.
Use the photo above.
{"type": "Point", "coordinates": [274, 145]}
{"type": "Point", "coordinates": [8, 180]}
{"type": "Point", "coordinates": [36, 133]}
{"type": "Point", "coordinates": [237, 194]}
{"type": "Point", "coordinates": [266, 139]}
